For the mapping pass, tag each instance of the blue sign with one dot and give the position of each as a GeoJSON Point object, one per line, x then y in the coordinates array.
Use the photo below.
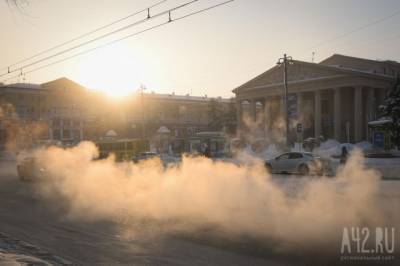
{"type": "Point", "coordinates": [379, 139]}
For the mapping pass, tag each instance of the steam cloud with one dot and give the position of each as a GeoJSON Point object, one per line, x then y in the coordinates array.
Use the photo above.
{"type": "Point", "coordinates": [235, 200]}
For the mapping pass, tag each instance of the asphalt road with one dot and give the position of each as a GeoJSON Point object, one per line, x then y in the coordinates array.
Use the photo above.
{"type": "Point", "coordinates": [42, 223]}
{"type": "Point", "coordinates": [28, 218]}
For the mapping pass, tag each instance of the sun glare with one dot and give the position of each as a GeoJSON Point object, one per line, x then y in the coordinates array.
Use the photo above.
{"type": "Point", "coordinates": [115, 70]}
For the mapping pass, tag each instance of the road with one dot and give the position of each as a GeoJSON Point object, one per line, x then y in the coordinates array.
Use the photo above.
{"type": "Point", "coordinates": [29, 218]}
{"type": "Point", "coordinates": [26, 217]}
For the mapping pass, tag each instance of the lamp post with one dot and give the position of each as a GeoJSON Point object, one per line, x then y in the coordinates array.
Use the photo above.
{"type": "Point", "coordinates": [284, 61]}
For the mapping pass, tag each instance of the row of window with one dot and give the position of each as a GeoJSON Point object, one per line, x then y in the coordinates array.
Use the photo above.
{"type": "Point", "coordinates": [66, 122]}
{"type": "Point", "coordinates": [66, 134]}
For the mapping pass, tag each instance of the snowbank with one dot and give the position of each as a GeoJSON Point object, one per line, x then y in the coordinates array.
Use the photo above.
{"type": "Point", "coordinates": [388, 167]}
{"type": "Point", "coordinates": [271, 152]}
{"type": "Point", "coordinates": [17, 252]}
{"type": "Point", "coordinates": [11, 259]}
{"type": "Point", "coordinates": [332, 147]}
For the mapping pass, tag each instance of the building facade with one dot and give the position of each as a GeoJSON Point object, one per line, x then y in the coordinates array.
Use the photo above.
{"type": "Point", "coordinates": [170, 120]}
{"type": "Point", "coordinates": [182, 115]}
{"type": "Point", "coordinates": [335, 98]}
{"type": "Point", "coordinates": [62, 110]}
{"type": "Point", "coordinates": [57, 111]}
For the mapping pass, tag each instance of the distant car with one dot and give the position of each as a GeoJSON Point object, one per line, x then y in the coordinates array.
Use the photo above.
{"type": "Point", "coordinates": [145, 156]}
{"type": "Point", "coordinates": [29, 169]}
{"type": "Point", "coordinates": [303, 163]}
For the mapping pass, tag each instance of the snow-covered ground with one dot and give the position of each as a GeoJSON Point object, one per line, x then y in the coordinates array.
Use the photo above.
{"type": "Point", "coordinates": [15, 252]}
{"type": "Point", "coordinates": [12, 259]}
{"type": "Point", "coordinates": [388, 167]}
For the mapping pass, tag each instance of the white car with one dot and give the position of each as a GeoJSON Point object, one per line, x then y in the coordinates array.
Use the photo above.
{"type": "Point", "coordinates": [303, 163]}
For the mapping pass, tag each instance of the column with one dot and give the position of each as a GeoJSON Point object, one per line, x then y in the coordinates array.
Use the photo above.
{"type": "Point", "coordinates": [238, 117]}
{"type": "Point", "coordinates": [357, 113]}
{"type": "Point", "coordinates": [370, 110]}
{"type": "Point", "coordinates": [337, 124]}
{"type": "Point", "coordinates": [61, 128]}
{"type": "Point", "coordinates": [371, 104]}
{"type": "Point", "coordinates": [50, 133]}
{"type": "Point", "coordinates": [317, 114]}
{"type": "Point", "coordinates": [282, 105]}
{"type": "Point", "coordinates": [253, 110]}
{"type": "Point", "coordinates": [267, 117]}
{"type": "Point", "coordinates": [300, 117]}
{"type": "Point", "coordinates": [81, 125]}
{"type": "Point", "coordinates": [300, 107]}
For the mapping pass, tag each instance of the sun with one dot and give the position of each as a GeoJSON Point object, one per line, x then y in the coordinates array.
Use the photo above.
{"type": "Point", "coordinates": [115, 70]}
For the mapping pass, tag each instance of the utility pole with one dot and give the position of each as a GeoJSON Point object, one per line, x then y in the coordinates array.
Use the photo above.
{"type": "Point", "coordinates": [285, 60]}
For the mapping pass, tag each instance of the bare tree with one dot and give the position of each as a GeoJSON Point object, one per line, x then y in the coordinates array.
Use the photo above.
{"type": "Point", "coordinates": [20, 5]}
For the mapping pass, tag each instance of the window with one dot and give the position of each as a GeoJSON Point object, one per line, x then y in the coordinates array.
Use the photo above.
{"type": "Point", "coordinates": [67, 122]}
{"type": "Point", "coordinates": [295, 155]}
{"type": "Point", "coordinates": [76, 123]}
{"type": "Point", "coordinates": [129, 145]}
{"type": "Point", "coordinates": [66, 134]}
{"type": "Point", "coordinates": [283, 156]}
{"type": "Point", "coordinates": [56, 122]}
{"type": "Point", "coordinates": [56, 134]}
{"type": "Point", "coordinates": [77, 134]}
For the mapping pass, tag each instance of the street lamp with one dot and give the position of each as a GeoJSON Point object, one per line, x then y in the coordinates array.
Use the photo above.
{"type": "Point", "coordinates": [284, 61]}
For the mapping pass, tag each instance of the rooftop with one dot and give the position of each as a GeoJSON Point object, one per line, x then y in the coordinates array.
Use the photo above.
{"type": "Point", "coordinates": [22, 86]}
{"type": "Point", "coordinates": [186, 97]}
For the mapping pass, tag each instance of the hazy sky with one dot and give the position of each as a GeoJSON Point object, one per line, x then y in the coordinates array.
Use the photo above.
{"type": "Point", "coordinates": [210, 53]}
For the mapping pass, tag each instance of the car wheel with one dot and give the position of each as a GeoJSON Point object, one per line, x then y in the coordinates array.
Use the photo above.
{"type": "Point", "coordinates": [268, 168]}
{"type": "Point", "coordinates": [304, 170]}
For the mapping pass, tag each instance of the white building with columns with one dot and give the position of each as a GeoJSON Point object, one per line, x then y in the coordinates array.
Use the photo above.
{"type": "Point", "coordinates": [335, 98]}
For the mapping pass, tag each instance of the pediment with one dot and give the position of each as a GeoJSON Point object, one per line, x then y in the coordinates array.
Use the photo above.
{"type": "Point", "coordinates": [297, 71]}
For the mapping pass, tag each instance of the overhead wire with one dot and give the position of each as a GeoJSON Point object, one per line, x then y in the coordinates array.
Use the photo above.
{"type": "Point", "coordinates": [100, 37]}
{"type": "Point", "coordinates": [352, 31]}
{"type": "Point", "coordinates": [170, 20]}
{"type": "Point", "coordinates": [82, 36]}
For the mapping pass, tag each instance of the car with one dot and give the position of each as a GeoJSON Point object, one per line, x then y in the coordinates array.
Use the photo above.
{"type": "Point", "coordinates": [29, 169]}
{"type": "Point", "coordinates": [303, 163]}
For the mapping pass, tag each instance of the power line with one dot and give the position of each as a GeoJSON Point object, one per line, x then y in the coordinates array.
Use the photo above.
{"type": "Point", "coordinates": [170, 20]}
{"type": "Point", "coordinates": [84, 35]}
{"type": "Point", "coordinates": [382, 19]}
{"type": "Point", "coordinates": [100, 37]}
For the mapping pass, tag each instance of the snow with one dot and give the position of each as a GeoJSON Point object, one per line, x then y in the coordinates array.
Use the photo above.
{"type": "Point", "coordinates": [387, 167]}
{"type": "Point", "coordinates": [332, 147]}
{"type": "Point", "coordinates": [380, 122]}
{"type": "Point", "coordinates": [12, 259]}
{"type": "Point", "coordinates": [271, 152]}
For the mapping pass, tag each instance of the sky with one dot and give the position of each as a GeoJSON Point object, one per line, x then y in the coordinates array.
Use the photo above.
{"type": "Point", "coordinates": [210, 53]}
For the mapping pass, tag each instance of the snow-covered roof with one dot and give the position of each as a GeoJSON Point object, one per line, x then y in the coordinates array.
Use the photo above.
{"type": "Point", "coordinates": [163, 130]}
{"type": "Point", "coordinates": [111, 133]}
{"type": "Point", "coordinates": [380, 122]}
